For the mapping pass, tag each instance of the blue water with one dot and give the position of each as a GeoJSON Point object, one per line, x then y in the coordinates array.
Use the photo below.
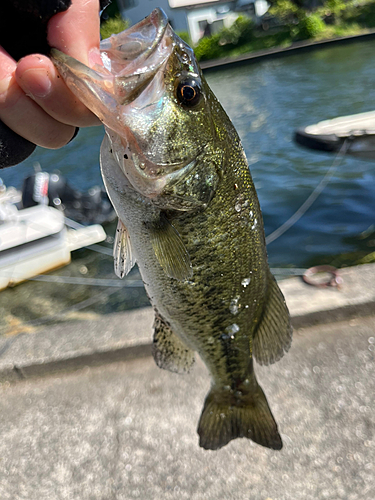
{"type": "Point", "coordinates": [267, 101]}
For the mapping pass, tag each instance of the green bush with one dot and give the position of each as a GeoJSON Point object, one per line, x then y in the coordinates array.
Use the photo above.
{"type": "Point", "coordinates": [243, 28]}
{"type": "Point", "coordinates": [335, 6]}
{"type": "Point", "coordinates": [364, 15]}
{"type": "Point", "coordinates": [285, 11]}
{"type": "Point", "coordinates": [228, 36]}
{"type": "Point", "coordinates": [184, 35]}
{"type": "Point", "coordinates": [241, 31]}
{"type": "Point", "coordinates": [208, 48]}
{"type": "Point", "coordinates": [332, 18]}
{"type": "Point", "coordinates": [308, 27]}
{"type": "Point", "coordinates": [113, 26]}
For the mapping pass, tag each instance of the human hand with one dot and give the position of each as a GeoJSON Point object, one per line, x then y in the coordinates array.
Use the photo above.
{"type": "Point", "coordinates": [34, 101]}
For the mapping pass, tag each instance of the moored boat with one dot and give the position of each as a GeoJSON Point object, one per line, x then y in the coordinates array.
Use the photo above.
{"type": "Point", "coordinates": [353, 135]}
{"type": "Point", "coordinates": [36, 240]}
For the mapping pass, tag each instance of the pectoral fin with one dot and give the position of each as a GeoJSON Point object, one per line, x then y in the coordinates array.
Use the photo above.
{"type": "Point", "coordinates": [170, 250]}
{"type": "Point", "coordinates": [123, 256]}
{"type": "Point", "coordinates": [168, 350]}
{"type": "Point", "coordinates": [273, 337]}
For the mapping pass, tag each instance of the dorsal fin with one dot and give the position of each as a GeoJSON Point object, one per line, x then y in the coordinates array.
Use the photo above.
{"type": "Point", "coordinates": [170, 250]}
{"type": "Point", "coordinates": [123, 256]}
{"type": "Point", "coordinates": [273, 336]}
{"type": "Point", "coordinates": [169, 352]}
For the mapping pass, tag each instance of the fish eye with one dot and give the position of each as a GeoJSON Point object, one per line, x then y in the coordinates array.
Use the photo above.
{"type": "Point", "coordinates": [188, 92]}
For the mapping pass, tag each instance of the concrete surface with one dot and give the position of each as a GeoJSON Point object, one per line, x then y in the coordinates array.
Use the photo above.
{"type": "Point", "coordinates": [129, 335]}
{"type": "Point", "coordinates": [127, 430]}
{"type": "Point", "coordinates": [69, 345]}
{"type": "Point", "coordinates": [311, 305]}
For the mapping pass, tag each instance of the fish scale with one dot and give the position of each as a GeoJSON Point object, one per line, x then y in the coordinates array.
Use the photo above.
{"type": "Point", "coordinates": [177, 175]}
{"type": "Point", "coordinates": [235, 259]}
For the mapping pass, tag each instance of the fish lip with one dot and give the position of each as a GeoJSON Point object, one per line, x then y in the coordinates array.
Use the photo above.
{"type": "Point", "coordinates": [158, 18]}
{"type": "Point", "coordinates": [104, 89]}
{"type": "Point", "coordinates": [153, 186]}
{"type": "Point", "coordinates": [179, 167]}
{"type": "Point", "coordinates": [133, 35]}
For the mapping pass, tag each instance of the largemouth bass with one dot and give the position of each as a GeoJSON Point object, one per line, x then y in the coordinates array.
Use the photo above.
{"type": "Point", "coordinates": [177, 175]}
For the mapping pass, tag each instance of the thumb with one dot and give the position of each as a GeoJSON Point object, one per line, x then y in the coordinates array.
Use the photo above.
{"type": "Point", "coordinates": [76, 32]}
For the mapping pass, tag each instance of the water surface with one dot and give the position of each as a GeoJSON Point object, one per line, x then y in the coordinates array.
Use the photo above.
{"type": "Point", "coordinates": [266, 101]}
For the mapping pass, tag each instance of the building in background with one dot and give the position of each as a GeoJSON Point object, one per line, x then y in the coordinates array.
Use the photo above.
{"type": "Point", "coordinates": [205, 18]}
{"type": "Point", "coordinates": [136, 10]}
{"type": "Point", "coordinates": [198, 18]}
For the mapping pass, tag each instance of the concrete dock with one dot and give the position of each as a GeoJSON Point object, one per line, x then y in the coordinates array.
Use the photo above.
{"type": "Point", "coordinates": [86, 414]}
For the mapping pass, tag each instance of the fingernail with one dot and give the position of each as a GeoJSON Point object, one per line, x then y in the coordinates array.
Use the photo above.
{"type": "Point", "coordinates": [4, 85]}
{"type": "Point", "coordinates": [37, 82]}
{"type": "Point", "coordinates": [75, 134]}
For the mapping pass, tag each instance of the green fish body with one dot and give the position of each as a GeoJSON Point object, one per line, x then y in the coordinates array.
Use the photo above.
{"type": "Point", "coordinates": [177, 175]}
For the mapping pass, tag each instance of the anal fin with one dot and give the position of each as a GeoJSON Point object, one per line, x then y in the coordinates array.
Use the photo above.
{"type": "Point", "coordinates": [273, 336]}
{"type": "Point", "coordinates": [169, 352]}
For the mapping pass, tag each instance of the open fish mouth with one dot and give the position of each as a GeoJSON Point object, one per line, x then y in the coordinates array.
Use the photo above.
{"type": "Point", "coordinates": [132, 51]}
{"type": "Point", "coordinates": [147, 177]}
{"type": "Point", "coordinates": [136, 55]}
{"type": "Point", "coordinates": [130, 59]}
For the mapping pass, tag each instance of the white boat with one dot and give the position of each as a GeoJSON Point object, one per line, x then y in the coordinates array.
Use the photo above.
{"type": "Point", "coordinates": [356, 131]}
{"type": "Point", "coordinates": [36, 240]}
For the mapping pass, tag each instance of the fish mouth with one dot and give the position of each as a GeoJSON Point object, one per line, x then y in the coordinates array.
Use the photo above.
{"type": "Point", "coordinates": [147, 177]}
{"type": "Point", "coordinates": [130, 59]}
{"type": "Point", "coordinates": [127, 53]}
{"type": "Point", "coordinates": [153, 183]}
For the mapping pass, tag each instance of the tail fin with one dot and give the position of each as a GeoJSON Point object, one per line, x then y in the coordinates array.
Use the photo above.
{"type": "Point", "coordinates": [227, 415]}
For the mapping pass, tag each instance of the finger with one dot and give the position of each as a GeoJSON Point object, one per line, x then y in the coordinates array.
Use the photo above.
{"type": "Point", "coordinates": [39, 79]}
{"type": "Point", "coordinates": [23, 115]}
{"type": "Point", "coordinates": [76, 32]}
